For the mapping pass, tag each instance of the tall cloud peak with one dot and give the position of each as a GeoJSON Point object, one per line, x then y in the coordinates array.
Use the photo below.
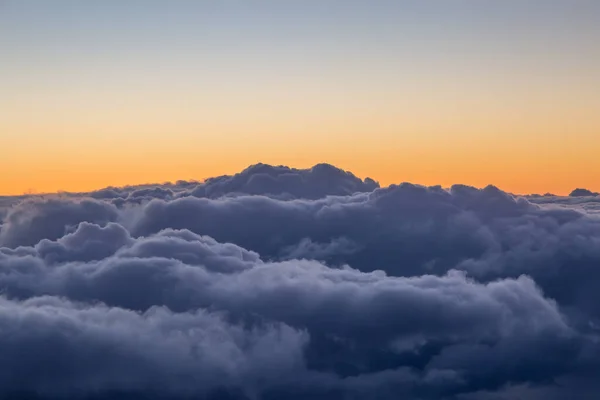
{"type": "Point", "coordinates": [579, 192]}
{"type": "Point", "coordinates": [284, 182]}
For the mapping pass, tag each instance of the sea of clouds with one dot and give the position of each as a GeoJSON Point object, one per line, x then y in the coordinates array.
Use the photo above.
{"type": "Point", "coordinates": [279, 283]}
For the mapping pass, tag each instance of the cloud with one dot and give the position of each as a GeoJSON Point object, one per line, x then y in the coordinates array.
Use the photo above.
{"type": "Point", "coordinates": [582, 193]}
{"type": "Point", "coordinates": [321, 285]}
{"type": "Point", "coordinates": [53, 347]}
{"type": "Point", "coordinates": [354, 331]}
{"type": "Point", "coordinates": [405, 230]}
{"type": "Point", "coordinates": [35, 219]}
{"type": "Point", "coordinates": [284, 182]}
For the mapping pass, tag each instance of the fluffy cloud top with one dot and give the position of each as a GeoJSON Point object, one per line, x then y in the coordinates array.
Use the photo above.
{"type": "Point", "coordinates": [582, 193]}
{"type": "Point", "coordinates": [285, 283]}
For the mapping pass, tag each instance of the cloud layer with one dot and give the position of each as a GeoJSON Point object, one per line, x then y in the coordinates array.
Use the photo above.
{"type": "Point", "coordinates": [286, 283]}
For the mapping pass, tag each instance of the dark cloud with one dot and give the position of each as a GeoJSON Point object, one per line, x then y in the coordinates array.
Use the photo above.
{"type": "Point", "coordinates": [53, 347]}
{"type": "Point", "coordinates": [406, 230]}
{"type": "Point", "coordinates": [360, 330]}
{"type": "Point", "coordinates": [284, 182]}
{"type": "Point", "coordinates": [582, 193]}
{"type": "Point", "coordinates": [88, 242]}
{"type": "Point", "coordinates": [283, 283]}
{"type": "Point", "coordinates": [587, 205]}
{"type": "Point", "coordinates": [37, 219]}
{"type": "Point", "coordinates": [261, 179]}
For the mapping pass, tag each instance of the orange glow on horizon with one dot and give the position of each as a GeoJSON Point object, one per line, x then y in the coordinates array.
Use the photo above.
{"type": "Point", "coordinates": [502, 95]}
{"type": "Point", "coordinates": [444, 166]}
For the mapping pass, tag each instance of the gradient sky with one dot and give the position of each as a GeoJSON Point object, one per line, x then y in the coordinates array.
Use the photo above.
{"type": "Point", "coordinates": [98, 93]}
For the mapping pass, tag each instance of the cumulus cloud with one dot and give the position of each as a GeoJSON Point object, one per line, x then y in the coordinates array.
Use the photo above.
{"type": "Point", "coordinates": [284, 182]}
{"type": "Point", "coordinates": [35, 219]}
{"type": "Point", "coordinates": [53, 347]}
{"type": "Point", "coordinates": [582, 193]}
{"type": "Point", "coordinates": [284, 283]}
{"type": "Point", "coordinates": [359, 330]}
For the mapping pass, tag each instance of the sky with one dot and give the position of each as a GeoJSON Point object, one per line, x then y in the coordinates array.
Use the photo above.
{"type": "Point", "coordinates": [99, 93]}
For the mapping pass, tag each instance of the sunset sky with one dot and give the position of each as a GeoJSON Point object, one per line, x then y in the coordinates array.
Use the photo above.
{"type": "Point", "coordinates": [99, 93]}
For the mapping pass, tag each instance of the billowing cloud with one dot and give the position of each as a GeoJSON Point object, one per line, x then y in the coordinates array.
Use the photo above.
{"type": "Point", "coordinates": [53, 347]}
{"type": "Point", "coordinates": [35, 219]}
{"type": "Point", "coordinates": [284, 182]}
{"type": "Point", "coordinates": [283, 283]}
{"type": "Point", "coordinates": [579, 192]}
